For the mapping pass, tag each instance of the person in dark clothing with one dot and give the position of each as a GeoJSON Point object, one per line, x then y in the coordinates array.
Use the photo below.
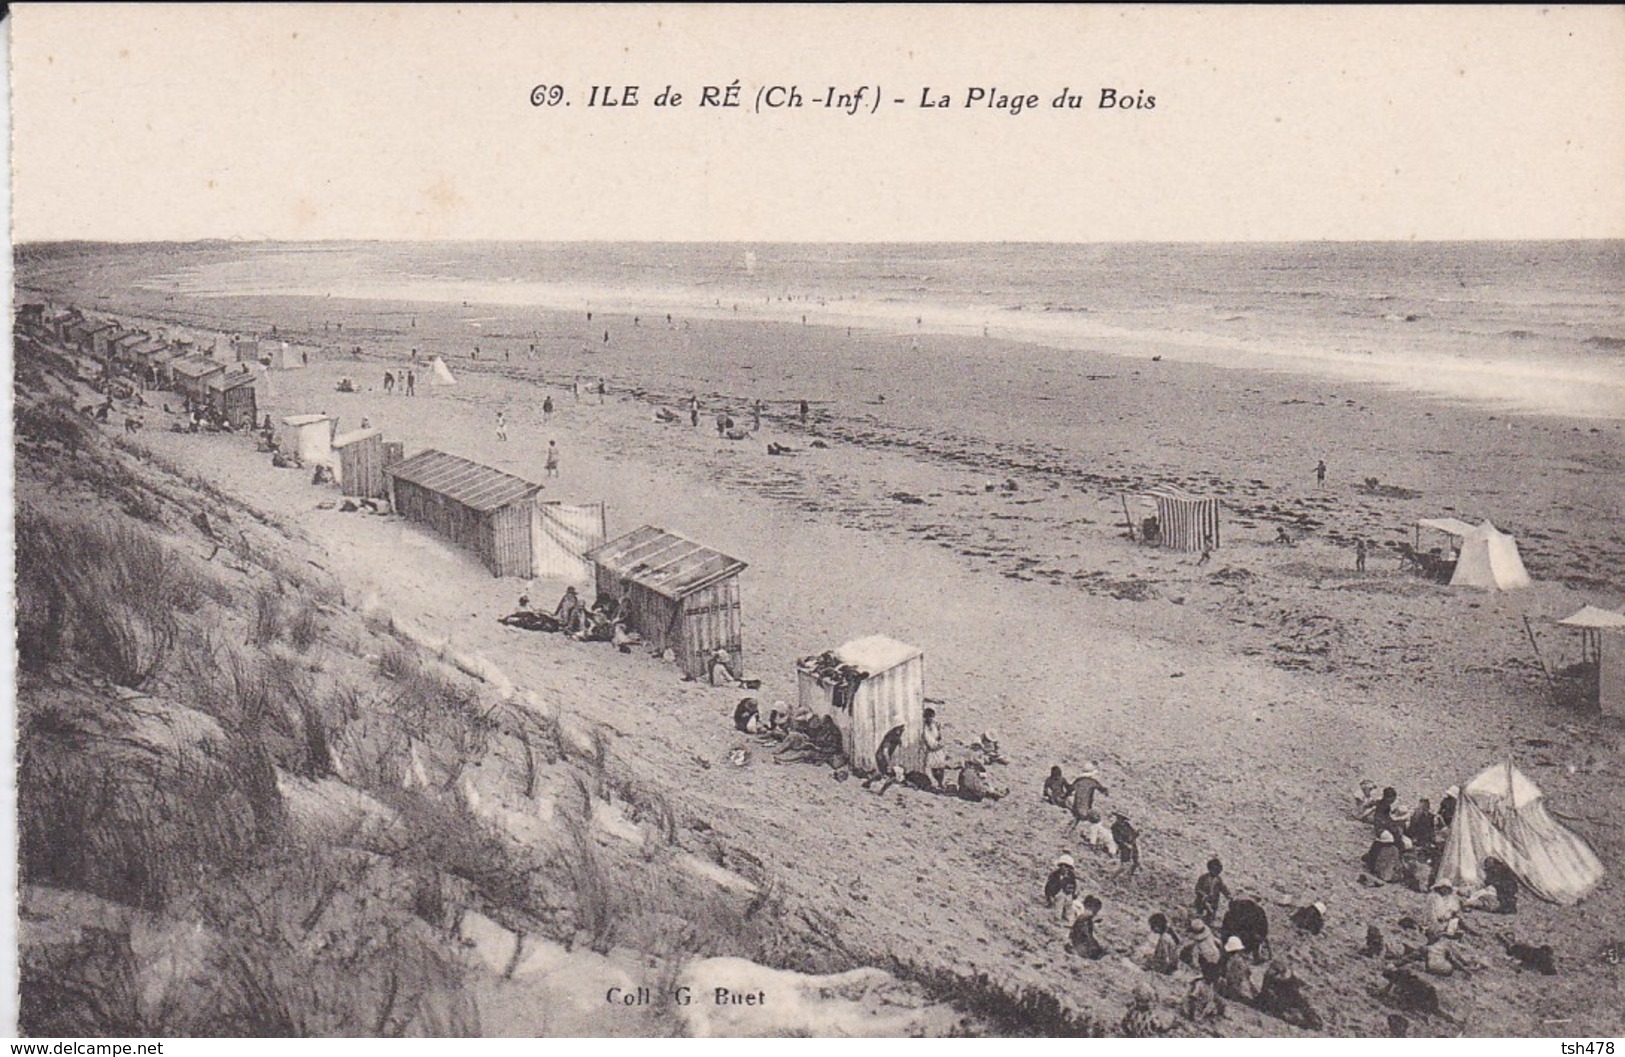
{"type": "Point", "coordinates": [1310, 919]}
{"type": "Point", "coordinates": [1062, 883]}
{"type": "Point", "coordinates": [747, 716]}
{"type": "Point", "coordinates": [1164, 956]}
{"type": "Point", "coordinates": [885, 757]}
{"type": "Point", "coordinates": [1422, 828]}
{"type": "Point", "coordinates": [1499, 876]}
{"type": "Point", "coordinates": [1210, 889]}
{"type": "Point", "coordinates": [1127, 839]}
{"type": "Point", "coordinates": [1245, 920]}
{"type": "Point", "coordinates": [1382, 816]}
{"type": "Point", "coordinates": [1056, 788]}
{"type": "Point", "coordinates": [1281, 995]}
{"type": "Point", "coordinates": [1081, 940]}
{"type": "Point", "coordinates": [1447, 807]}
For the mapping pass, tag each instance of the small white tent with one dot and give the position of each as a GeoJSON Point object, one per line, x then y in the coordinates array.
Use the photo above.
{"type": "Point", "coordinates": [1489, 559]}
{"type": "Point", "coordinates": [1602, 648]}
{"type": "Point", "coordinates": [441, 374]}
{"type": "Point", "coordinates": [1502, 814]}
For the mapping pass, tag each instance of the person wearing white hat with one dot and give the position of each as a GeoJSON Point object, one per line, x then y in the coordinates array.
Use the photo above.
{"type": "Point", "coordinates": [1084, 788]}
{"type": "Point", "coordinates": [1382, 858]}
{"type": "Point", "coordinates": [1235, 978]}
{"type": "Point", "coordinates": [1444, 911]}
{"type": "Point", "coordinates": [1310, 917]}
{"type": "Point", "coordinates": [1062, 883]}
{"type": "Point", "coordinates": [1447, 806]}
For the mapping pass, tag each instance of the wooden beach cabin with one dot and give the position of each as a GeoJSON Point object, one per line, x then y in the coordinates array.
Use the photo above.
{"type": "Point", "coordinates": [162, 365]}
{"type": "Point", "coordinates": [562, 535]}
{"type": "Point", "coordinates": [309, 437]}
{"type": "Point", "coordinates": [479, 508]}
{"type": "Point", "coordinates": [232, 397]}
{"type": "Point", "coordinates": [245, 350]}
{"type": "Point", "coordinates": [95, 336]}
{"type": "Point", "coordinates": [676, 593]}
{"type": "Point", "coordinates": [359, 463]}
{"type": "Point", "coordinates": [875, 684]}
{"type": "Point", "coordinates": [123, 347]}
{"type": "Point", "coordinates": [192, 374]}
{"type": "Point", "coordinates": [1185, 522]}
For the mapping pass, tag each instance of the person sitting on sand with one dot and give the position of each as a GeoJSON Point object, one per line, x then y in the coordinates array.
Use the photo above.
{"type": "Point", "coordinates": [1444, 911]}
{"type": "Point", "coordinates": [1201, 950]}
{"type": "Point", "coordinates": [1503, 882]}
{"type": "Point", "coordinates": [1164, 956]}
{"type": "Point", "coordinates": [1422, 828]}
{"type": "Point", "coordinates": [570, 613]}
{"type": "Point", "coordinates": [1139, 1022]}
{"type": "Point", "coordinates": [1281, 996]}
{"type": "Point", "coordinates": [885, 758]}
{"type": "Point", "coordinates": [747, 716]}
{"type": "Point", "coordinates": [1381, 860]}
{"type": "Point", "coordinates": [1081, 939]}
{"type": "Point", "coordinates": [1382, 814]}
{"type": "Point", "coordinates": [1210, 888]}
{"type": "Point", "coordinates": [1056, 788]}
{"type": "Point", "coordinates": [1283, 536]}
{"type": "Point", "coordinates": [988, 746]}
{"type": "Point", "coordinates": [820, 743]}
{"type": "Point", "coordinates": [973, 783]}
{"type": "Point", "coordinates": [720, 670]}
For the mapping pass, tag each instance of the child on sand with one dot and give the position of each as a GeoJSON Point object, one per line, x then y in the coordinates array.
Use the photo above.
{"type": "Point", "coordinates": [552, 458]}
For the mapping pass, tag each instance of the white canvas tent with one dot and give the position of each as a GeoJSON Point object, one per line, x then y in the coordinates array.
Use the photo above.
{"type": "Point", "coordinates": [1486, 557]}
{"type": "Point", "coordinates": [310, 437]}
{"type": "Point", "coordinates": [562, 535]}
{"type": "Point", "coordinates": [440, 374]}
{"type": "Point", "coordinates": [1602, 646]}
{"type": "Point", "coordinates": [1501, 813]}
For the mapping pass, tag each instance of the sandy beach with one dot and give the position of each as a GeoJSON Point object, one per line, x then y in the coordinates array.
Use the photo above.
{"type": "Point", "coordinates": [969, 499]}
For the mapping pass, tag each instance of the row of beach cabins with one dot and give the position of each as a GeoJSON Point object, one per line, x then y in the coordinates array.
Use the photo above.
{"type": "Point", "coordinates": [678, 595]}
{"type": "Point", "coordinates": [142, 359]}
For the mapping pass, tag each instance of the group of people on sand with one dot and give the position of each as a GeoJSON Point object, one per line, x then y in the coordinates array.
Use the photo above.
{"type": "Point", "coordinates": [1218, 956]}
{"type": "Point", "coordinates": [1119, 838]}
{"type": "Point", "coordinates": [603, 621]}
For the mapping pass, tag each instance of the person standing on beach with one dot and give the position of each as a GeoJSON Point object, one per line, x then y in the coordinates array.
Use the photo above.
{"type": "Point", "coordinates": [389, 383]}
{"type": "Point", "coordinates": [936, 760]}
{"type": "Point", "coordinates": [547, 409]}
{"type": "Point", "coordinates": [552, 458]}
{"type": "Point", "coordinates": [601, 390]}
{"type": "Point", "coordinates": [502, 426]}
{"type": "Point", "coordinates": [411, 383]}
{"type": "Point", "coordinates": [756, 417]}
{"type": "Point", "coordinates": [575, 388]}
{"type": "Point", "coordinates": [803, 411]}
{"type": "Point", "coordinates": [1359, 555]}
{"type": "Point", "coordinates": [1320, 474]}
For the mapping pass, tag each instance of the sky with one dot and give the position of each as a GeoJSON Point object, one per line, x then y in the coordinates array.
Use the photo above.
{"type": "Point", "coordinates": [159, 122]}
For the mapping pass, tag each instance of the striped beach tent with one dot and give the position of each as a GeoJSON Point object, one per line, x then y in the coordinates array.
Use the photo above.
{"type": "Point", "coordinates": [1187, 522]}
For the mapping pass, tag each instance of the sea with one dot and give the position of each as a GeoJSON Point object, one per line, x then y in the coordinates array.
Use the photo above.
{"type": "Point", "coordinates": [1524, 326]}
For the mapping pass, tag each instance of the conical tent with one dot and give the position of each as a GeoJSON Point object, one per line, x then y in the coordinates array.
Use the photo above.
{"type": "Point", "coordinates": [442, 373]}
{"type": "Point", "coordinates": [1502, 814]}
{"type": "Point", "coordinates": [1489, 559]}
